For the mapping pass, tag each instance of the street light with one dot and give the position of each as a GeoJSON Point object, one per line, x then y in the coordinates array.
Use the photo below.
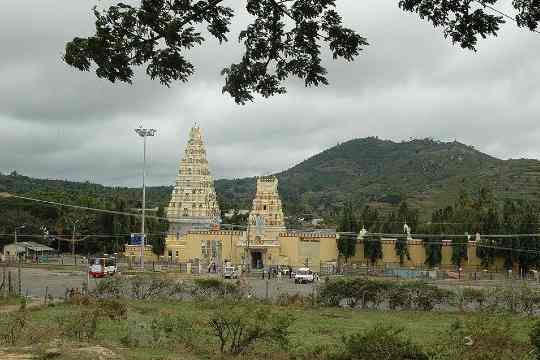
{"type": "Point", "coordinates": [75, 222]}
{"type": "Point", "coordinates": [144, 133]}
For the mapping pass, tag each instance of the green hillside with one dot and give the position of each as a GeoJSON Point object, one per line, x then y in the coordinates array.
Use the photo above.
{"type": "Point", "coordinates": [426, 173]}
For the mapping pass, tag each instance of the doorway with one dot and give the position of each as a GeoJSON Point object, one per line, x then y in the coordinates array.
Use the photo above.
{"type": "Point", "coordinates": [257, 260]}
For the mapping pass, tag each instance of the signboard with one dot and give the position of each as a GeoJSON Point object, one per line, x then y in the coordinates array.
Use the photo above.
{"type": "Point", "coordinates": [136, 239]}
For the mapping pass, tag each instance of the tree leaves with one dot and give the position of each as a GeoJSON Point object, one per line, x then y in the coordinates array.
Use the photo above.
{"type": "Point", "coordinates": [155, 33]}
{"type": "Point", "coordinates": [462, 20]}
{"type": "Point", "coordinates": [284, 39]}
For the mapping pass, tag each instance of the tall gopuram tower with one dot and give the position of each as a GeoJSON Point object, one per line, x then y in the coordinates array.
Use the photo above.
{"type": "Point", "coordinates": [193, 202]}
{"type": "Point", "coordinates": [266, 216]}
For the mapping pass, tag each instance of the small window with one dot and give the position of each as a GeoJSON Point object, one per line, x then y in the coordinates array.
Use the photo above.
{"type": "Point", "coordinates": [177, 253]}
{"type": "Point", "coordinates": [264, 207]}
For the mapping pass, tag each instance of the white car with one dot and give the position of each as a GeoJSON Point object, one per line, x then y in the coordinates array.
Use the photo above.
{"type": "Point", "coordinates": [304, 276]}
{"type": "Point", "coordinates": [230, 272]}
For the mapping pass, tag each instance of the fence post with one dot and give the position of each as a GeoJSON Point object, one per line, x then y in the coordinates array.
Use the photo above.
{"type": "Point", "coordinates": [10, 287]}
{"type": "Point", "coordinates": [267, 289]}
{"type": "Point", "coordinates": [19, 277]}
{"type": "Point", "coordinates": [46, 294]}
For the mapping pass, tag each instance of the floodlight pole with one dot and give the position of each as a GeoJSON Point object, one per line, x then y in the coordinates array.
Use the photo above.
{"type": "Point", "coordinates": [144, 133]}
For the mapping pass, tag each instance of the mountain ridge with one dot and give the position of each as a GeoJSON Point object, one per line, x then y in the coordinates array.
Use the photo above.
{"type": "Point", "coordinates": [425, 172]}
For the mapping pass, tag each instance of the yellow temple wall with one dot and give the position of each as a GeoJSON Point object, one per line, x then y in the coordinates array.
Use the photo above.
{"type": "Point", "coordinates": [294, 248]}
{"type": "Point", "coordinates": [133, 252]}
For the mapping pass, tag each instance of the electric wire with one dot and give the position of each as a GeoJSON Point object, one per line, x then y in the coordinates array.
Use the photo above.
{"type": "Point", "coordinates": [494, 9]}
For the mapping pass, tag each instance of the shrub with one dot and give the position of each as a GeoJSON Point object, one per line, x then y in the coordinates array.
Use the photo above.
{"type": "Point", "coordinates": [238, 328]}
{"type": "Point", "coordinates": [534, 338]}
{"type": "Point", "coordinates": [481, 338]}
{"type": "Point", "coordinates": [380, 343]}
{"type": "Point", "coordinates": [171, 329]}
{"type": "Point", "coordinates": [110, 287]}
{"type": "Point", "coordinates": [426, 297]}
{"type": "Point", "coordinates": [149, 287]}
{"type": "Point", "coordinates": [81, 325]}
{"type": "Point", "coordinates": [13, 326]}
{"type": "Point", "coordinates": [475, 297]}
{"type": "Point", "coordinates": [399, 298]}
{"type": "Point", "coordinates": [112, 309]}
{"type": "Point", "coordinates": [210, 288]}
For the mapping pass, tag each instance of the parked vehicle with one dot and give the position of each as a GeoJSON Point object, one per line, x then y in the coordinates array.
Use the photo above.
{"type": "Point", "coordinates": [231, 272]}
{"type": "Point", "coordinates": [102, 266]}
{"type": "Point", "coordinates": [304, 276]}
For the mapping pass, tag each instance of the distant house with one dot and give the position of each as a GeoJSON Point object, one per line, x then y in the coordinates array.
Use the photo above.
{"type": "Point", "coordinates": [230, 213]}
{"type": "Point", "coordinates": [26, 249]}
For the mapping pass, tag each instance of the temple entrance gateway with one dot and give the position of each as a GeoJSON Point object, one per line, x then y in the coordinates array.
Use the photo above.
{"type": "Point", "coordinates": [257, 260]}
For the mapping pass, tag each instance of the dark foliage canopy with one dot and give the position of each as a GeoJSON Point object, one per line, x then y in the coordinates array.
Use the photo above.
{"type": "Point", "coordinates": [283, 39]}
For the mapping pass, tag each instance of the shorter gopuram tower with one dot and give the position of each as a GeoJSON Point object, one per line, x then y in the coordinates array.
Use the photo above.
{"type": "Point", "coordinates": [265, 223]}
{"type": "Point", "coordinates": [193, 202]}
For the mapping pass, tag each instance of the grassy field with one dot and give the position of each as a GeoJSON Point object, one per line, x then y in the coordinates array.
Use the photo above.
{"type": "Point", "coordinates": [312, 327]}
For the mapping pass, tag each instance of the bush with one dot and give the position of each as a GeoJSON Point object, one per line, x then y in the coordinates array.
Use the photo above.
{"type": "Point", "coordinates": [210, 288]}
{"type": "Point", "coordinates": [373, 293]}
{"type": "Point", "coordinates": [149, 287]}
{"type": "Point", "coordinates": [482, 338]}
{"type": "Point", "coordinates": [112, 309]}
{"type": "Point", "coordinates": [238, 328]}
{"type": "Point", "coordinates": [534, 338]}
{"type": "Point", "coordinates": [170, 330]}
{"type": "Point", "coordinates": [426, 297]}
{"type": "Point", "coordinates": [110, 287]}
{"type": "Point", "coordinates": [81, 325]}
{"type": "Point", "coordinates": [399, 298]}
{"type": "Point", "coordinates": [475, 297]}
{"type": "Point", "coordinates": [380, 343]}
{"type": "Point", "coordinates": [13, 326]}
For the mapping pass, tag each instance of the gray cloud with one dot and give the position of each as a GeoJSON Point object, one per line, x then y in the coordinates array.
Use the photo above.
{"type": "Point", "coordinates": [410, 82]}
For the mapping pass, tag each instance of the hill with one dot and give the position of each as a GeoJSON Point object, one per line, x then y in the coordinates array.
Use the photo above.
{"type": "Point", "coordinates": [19, 184]}
{"type": "Point", "coordinates": [425, 172]}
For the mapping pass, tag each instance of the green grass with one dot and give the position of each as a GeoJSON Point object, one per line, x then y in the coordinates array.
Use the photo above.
{"type": "Point", "coordinates": [312, 327]}
{"type": "Point", "coordinates": [10, 300]}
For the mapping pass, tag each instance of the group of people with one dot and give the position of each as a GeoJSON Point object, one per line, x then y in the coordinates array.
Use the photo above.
{"type": "Point", "coordinates": [275, 272]}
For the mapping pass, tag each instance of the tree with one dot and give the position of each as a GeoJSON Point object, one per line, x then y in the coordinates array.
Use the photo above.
{"type": "Point", "coordinates": [283, 39]}
{"type": "Point", "coordinates": [433, 246]}
{"type": "Point", "coordinates": [346, 242]}
{"type": "Point", "coordinates": [369, 218]}
{"type": "Point", "coordinates": [405, 215]}
{"type": "Point", "coordinates": [158, 232]}
{"type": "Point", "coordinates": [373, 249]}
{"type": "Point", "coordinates": [372, 245]}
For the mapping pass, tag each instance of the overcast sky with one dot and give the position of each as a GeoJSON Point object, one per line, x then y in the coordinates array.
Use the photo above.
{"type": "Point", "coordinates": [410, 82]}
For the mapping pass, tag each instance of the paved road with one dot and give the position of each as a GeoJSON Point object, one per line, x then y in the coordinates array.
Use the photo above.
{"type": "Point", "coordinates": [35, 281]}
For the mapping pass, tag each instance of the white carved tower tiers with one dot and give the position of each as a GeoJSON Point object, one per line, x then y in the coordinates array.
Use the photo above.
{"type": "Point", "coordinates": [193, 201]}
{"type": "Point", "coordinates": [266, 211]}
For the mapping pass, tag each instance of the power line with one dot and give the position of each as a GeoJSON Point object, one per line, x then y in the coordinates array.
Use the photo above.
{"type": "Point", "coordinates": [87, 208]}
{"type": "Point", "coordinates": [494, 9]}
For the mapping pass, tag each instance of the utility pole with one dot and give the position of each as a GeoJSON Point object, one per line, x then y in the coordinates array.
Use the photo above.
{"type": "Point", "coordinates": [73, 239]}
{"type": "Point", "coordinates": [248, 257]}
{"type": "Point", "coordinates": [19, 260]}
{"type": "Point", "coordinates": [144, 133]}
